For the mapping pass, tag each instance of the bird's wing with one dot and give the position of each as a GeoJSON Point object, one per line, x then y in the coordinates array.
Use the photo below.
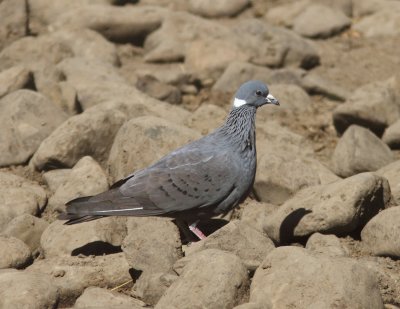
{"type": "Point", "coordinates": [180, 181]}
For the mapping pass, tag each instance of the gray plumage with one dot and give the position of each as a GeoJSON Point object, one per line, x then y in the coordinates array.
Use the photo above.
{"type": "Point", "coordinates": [204, 178]}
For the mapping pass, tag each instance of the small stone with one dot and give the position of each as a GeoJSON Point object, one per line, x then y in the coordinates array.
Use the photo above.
{"type": "Point", "coordinates": [392, 173]}
{"type": "Point", "coordinates": [13, 21]}
{"type": "Point", "coordinates": [159, 90]}
{"type": "Point", "coordinates": [385, 22]}
{"type": "Point", "coordinates": [392, 135]}
{"type": "Point", "coordinates": [15, 78]}
{"type": "Point", "coordinates": [359, 150]}
{"type": "Point", "coordinates": [219, 8]}
{"type": "Point", "coordinates": [55, 178]}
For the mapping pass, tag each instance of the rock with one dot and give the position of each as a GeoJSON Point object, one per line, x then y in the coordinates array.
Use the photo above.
{"type": "Point", "coordinates": [392, 173]}
{"type": "Point", "coordinates": [316, 84]}
{"type": "Point", "coordinates": [158, 90]}
{"type": "Point", "coordinates": [13, 253]}
{"type": "Point", "coordinates": [206, 118]}
{"type": "Point", "coordinates": [337, 208]}
{"type": "Point", "coordinates": [128, 24]}
{"type": "Point", "coordinates": [359, 150]}
{"type": "Point", "coordinates": [327, 244]}
{"type": "Point", "coordinates": [96, 237]}
{"type": "Point", "coordinates": [22, 289]}
{"type": "Point", "coordinates": [15, 78]}
{"type": "Point", "coordinates": [280, 174]}
{"type": "Point", "coordinates": [293, 277]}
{"type": "Point", "coordinates": [239, 72]}
{"type": "Point", "coordinates": [220, 8]}
{"type": "Point", "coordinates": [103, 298]}
{"type": "Point", "coordinates": [34, 53]}
{"type": "Point", "coordinates": [154, 138]}
{"type": "Point", "coordinates": [381, 234]}
{"type": "Point", "coordinates": [367, 7]}
{"type": "Point", "coordinates": [150, 287]}
{"type": "Point", "coordinates": [55, 178]}
{"type": "Point", "coordinates": [27, 118]}
{"type": "Point", "coordinates": [87, 44]}
{"type": "Point", "coordinates": [364, 107]}
{"type": "Point", "coordinates": [152, 244]}
{"type": "Point", "coordinates": [284, 15]}
{"type": "Point", "coordinates": [209, 279]}
{"type": "Point", "coordinates": [278, 47]}
{"type": "Point", "coordinates": [72, 274]}
{"type": "Point", "coordinates": [27, 228]}
{"type": "Point", "coordinates": [90, 133]}
{"type": "Point", "coordinates": [86, 178]}
{"type": "Point", "coordinates": [239, 238]}
{"type": "Point", "coordinates": [19, 196]}
{"type": "Point", "coordinates": [320, 21]}
{"type": "Point", "coordinates": [13, 21]}
{"type": "Point", "coordinates": [292, 97]}
{"type": "Point", "coordinates": [384, 22]}
{"type": "Point", "coordinates": [254, 213]}
{"type": "Point", "coordinates": [392, 135]}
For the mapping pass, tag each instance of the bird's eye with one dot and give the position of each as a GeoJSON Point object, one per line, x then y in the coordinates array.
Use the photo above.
{"type": "Point", "coordinates": [258, 92]}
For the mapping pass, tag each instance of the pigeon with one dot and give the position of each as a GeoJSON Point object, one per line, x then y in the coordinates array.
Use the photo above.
{"type": "Point", "coordinates": [202, 179]}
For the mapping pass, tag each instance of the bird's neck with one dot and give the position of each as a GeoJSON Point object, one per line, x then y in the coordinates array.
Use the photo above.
{"type": "Point", "coordinates": [240, 127]}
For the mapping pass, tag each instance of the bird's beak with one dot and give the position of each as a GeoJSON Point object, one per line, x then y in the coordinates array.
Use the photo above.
{"type": "Point", "coordinates": [270, 99]}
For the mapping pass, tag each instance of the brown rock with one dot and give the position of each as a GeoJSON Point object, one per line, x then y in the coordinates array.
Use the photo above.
{"type": "Point", "coordinates": [13, 253]}
{"type": "Point", "coordinates": [338, 208]}
{"type": "Point", "coordinates": [392, 173]}
{"type": "Point", "coordinates": [15, 78]}
{"type": "Point", "coordinates": [359, 150]}
{"type": "Point", "coordinates": [327, 244]}
{"type": "Point", "coordinates": [13, 21]}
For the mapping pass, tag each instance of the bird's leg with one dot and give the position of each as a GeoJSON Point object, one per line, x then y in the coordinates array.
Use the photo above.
{"type": "Point", "coordinates": [183, 227]}
{"type": "Point", "coordinates": [196, 231]}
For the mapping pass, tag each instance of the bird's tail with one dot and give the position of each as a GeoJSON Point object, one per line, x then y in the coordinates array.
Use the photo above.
{"type": "Point", "coordinates": [75, 209]}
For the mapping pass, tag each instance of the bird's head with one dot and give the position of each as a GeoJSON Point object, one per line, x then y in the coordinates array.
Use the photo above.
{"type": "Point", "coordinates": [253, 93]}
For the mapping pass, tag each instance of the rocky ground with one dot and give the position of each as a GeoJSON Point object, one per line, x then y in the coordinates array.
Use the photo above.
{"type": "Point", "coordinates": [91, 90]}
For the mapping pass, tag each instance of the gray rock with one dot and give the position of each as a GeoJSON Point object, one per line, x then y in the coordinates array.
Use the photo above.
{"type": "Point", "coordinates": [154, 137]}
{"type": "Point", "coordinates": [118, 24]}
{"type": "Point", "coordinates": [103, 298]}
{"type": "Point", "coordinates": [14, 253]}
{"type": "Point", "coordinates": [364, 107]}
{"type": "Point", "coordinates": [320, 21]}
{"type": "Point", "coordinates": [72, 274]}
{"type": "Point", "coordinates": [329, 245]}
{"type": "Point", "coordinates": [150, 287]}
{"type": "Point", "coordinates": [220, 8]}
{"type": "Point", "coordinates": [152, 244]}
{"type": "Point", "coordinates": [22, 289]}
{"type": "Point", "coordinates": [92, 238]}
{"type": "Point", "coordinates": [392, 135]}
{"type": "Point", "coordinates": [211, 279]}
{"type": "Point", "coordinates": [359, 150]}
{"type": "Point", "coordinates": [27, 118]}
{"type": "Point", "coordinates": [295, 277]}
{"type": "Point", "coordinates": [15, 78]}
{"type": "Point", "coordinates": [158, 90]}
{"type": "Point", "coordinates": [67, 144]}
{"type": "Point", "coordinates": [19, 196]}
{"type": "Point", "coordinates": [384, 22]}
{"type": "Point", "coordinates": [239, 238]}
{"type": "Point", "coordinates": [86, 178]}
{"type": "Point", "coordinates": [55, 178]}
{"type": "Point", "coordinates": [13, 21]}
{"type": "Point", "coordinates": [27, 228]}
{"type": "Point", "coordinates": [337, 208]}
{"type": "Point", "coordinates": [381, 234]}
{"type": "Point", "coordinates": [392, 173]}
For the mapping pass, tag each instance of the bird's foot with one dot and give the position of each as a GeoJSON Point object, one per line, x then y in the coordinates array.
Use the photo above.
{"type": "Point", "coordinates": [196, 231]}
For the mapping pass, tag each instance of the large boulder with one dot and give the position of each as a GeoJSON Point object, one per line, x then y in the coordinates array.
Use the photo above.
{"type": "Point", "coordinates": [292, 277]}
{"type": "Point", "coordinates": [339, 208]}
